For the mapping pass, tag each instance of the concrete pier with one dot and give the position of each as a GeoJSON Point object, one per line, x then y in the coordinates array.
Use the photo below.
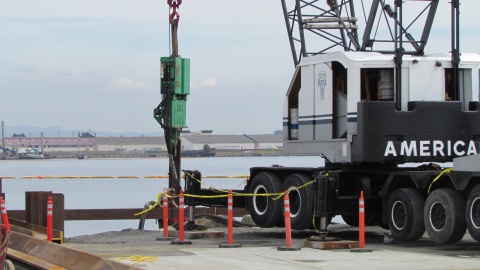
{"type": "Point", "coordinates": [259, 251]}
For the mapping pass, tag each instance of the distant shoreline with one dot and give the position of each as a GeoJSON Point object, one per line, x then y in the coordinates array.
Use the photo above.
{"type": "Point", "coordinates": [129, 155]}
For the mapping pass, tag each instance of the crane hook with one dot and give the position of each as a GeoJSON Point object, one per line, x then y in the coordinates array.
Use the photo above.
{"type": "Point", "coordinates": [174, 5]}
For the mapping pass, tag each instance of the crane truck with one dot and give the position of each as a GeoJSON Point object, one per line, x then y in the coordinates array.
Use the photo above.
{"type": "Point", "coordinates": [384, 119]}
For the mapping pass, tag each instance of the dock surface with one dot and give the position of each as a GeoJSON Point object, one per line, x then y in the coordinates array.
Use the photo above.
{"type": "Point", "coordinates": [259, 251]}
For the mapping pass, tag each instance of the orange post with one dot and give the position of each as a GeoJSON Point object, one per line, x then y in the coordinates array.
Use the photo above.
{"type": "Point", "coordinates": [4, 214]}
{"type": "Point", "coordinates": [230, 243]}
{"type": "Point", "coordinates": [288, 226]}
{"type": "Point", "coordinates": [49, 219]}
{"type": "Point", "coordinates": [181, 217]}
{"type": "Point", "coordinates": [181, 221]}
{"type": "Point", "coordinates": [230, 218]}
{"type": "Point", "coordinates": [165, 201]}
{"type": "Point", "coordinates": [165, 216]}
{"type": "Point", "coordinates": [361, 221]}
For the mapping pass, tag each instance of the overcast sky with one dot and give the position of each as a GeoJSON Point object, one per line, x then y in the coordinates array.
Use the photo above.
{"type": "Point", "coordinates": [94, 65]}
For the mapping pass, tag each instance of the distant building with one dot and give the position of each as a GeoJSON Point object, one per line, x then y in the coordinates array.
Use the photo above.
{"type": "Point", "coordinates": [146, 145]}
{"type": "Point", "coordinates": [232, 142]}
{"type": "Point", "coordinates": [51, 143]}
{"type": "Point", "coordinates": [62, 144]}
{"type": "Point", "coordinates": [137, 144]}
{"type": "Point", "coordinates": [268, 141]}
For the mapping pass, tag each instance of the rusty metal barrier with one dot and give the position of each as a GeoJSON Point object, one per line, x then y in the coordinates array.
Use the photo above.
{"type": "Point", "coordinates": [33, 220]}
{"type": "Point", "coordinates": [53, 256]}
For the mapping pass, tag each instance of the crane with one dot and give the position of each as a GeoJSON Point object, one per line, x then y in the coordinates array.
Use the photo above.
{"type": "Point", "coordinates": [382, 113]}
{"type": "Point", "coordinates": [174, 88]}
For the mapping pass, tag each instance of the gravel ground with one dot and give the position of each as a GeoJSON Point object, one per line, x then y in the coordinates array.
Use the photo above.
{"type": "Point", "coordinates": [143, 240]}
{"type": "Point", "coordinates": [247, 236]}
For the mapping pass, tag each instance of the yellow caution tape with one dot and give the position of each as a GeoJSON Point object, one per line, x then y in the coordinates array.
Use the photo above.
{"type": "Point", "coordinates": [226, 194]}
{"type": "Point", "coordinates": [37, 177]}
{"type": "Point", "coordinates": [210, 187]}
{"type": "Point", "coordinates": [448, 170]}
{"type": "Point", "coordinates": [122, 176]}
{"type": "Point", "coordinates": [242, 183]}
{"type": "Point", "coordinates": [304, 185]}
{"type": "Point", "coordinates": [241, 176]}
{"type": "Point", "coordinates": [159, 195]}
{"type": "Point", "coordinates": [206, 196]}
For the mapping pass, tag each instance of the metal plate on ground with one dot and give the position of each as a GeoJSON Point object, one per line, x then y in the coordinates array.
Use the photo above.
{"type": "Point", "coordinates": [342, 244]}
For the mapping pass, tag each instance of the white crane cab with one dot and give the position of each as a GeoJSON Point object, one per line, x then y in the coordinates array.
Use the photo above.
{"type": "Point", "coordinates": [342, 105]}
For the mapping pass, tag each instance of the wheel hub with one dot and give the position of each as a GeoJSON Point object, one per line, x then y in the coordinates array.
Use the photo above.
{"type": "Point", "coordinates": [399, 215]}
{"type": "Point", "coordinates": [438, 216]}
{"type": "Point", "coordinates": [295, 202]}
{"type": "Point", "coordinates": [475, 213]}
{"type": "Point", "coordinates": [260, 203]}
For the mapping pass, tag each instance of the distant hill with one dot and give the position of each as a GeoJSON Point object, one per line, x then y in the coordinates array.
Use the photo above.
{"type": "Point", "coordinates": [54, 131]}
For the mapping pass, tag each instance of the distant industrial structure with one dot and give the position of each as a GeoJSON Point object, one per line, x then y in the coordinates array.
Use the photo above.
{"type": "Point", "coordinates": [88, 144]}
{"type": "Point", "coordinates": [149, 146]}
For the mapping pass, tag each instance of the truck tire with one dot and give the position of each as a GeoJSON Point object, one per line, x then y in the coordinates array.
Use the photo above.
{"type": "Point", "coordinates": [473, 213]}
{"type": "Point", "coordinates": [301, 201]}
{"type": "Point", "coordinates": [265, 211]}
{"type": "Point", "coordinates": [350, 220]}
{"type": "Point", "coordinates": [382, 225]}
{"type": "Point", "coordinates": [354, 220]}
{"type": "Point", "coordinates": [8, 265]}
{"type": "Point", "coordinates": [444, 216]}
{"type": "Point", "coordinates": [405, 215]}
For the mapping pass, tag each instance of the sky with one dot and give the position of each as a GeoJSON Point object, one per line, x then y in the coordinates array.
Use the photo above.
{"type": "Point", "coordinates": [94, 65]}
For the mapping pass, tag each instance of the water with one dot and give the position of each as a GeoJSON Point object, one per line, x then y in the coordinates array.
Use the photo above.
{"type": "Point", "coordinates": [94, 193]}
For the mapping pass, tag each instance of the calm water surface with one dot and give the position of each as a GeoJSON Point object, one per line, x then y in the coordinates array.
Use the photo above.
{"type": "Point", "coordinates": [82, 193]}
